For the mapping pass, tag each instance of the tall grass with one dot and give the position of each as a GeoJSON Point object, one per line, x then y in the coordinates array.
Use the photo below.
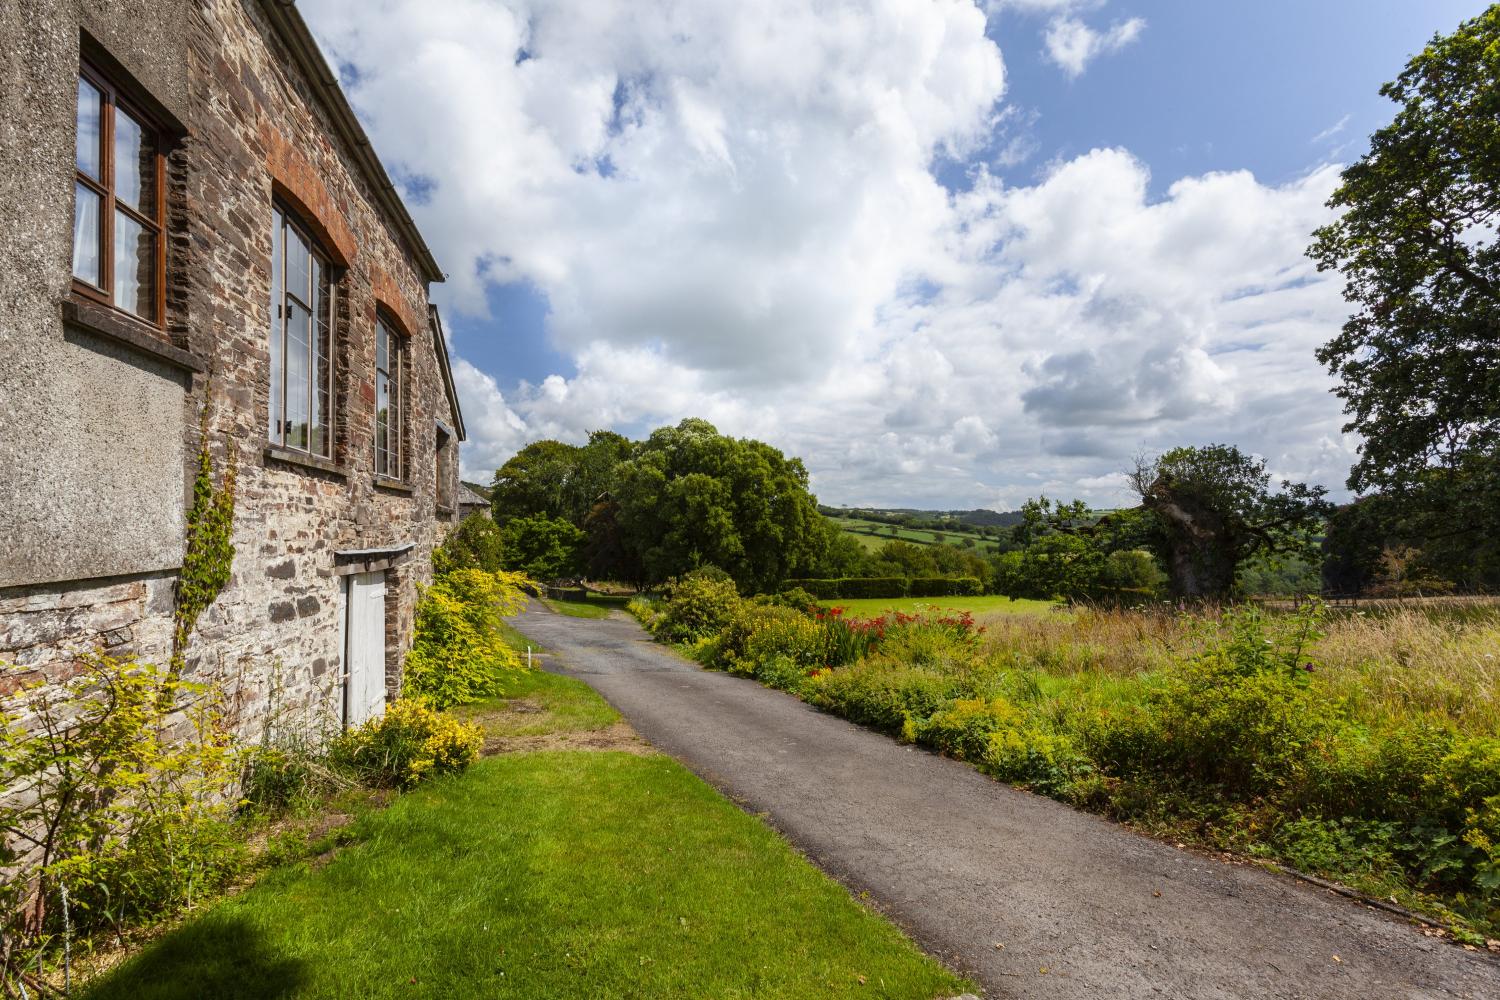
{"type": "Point", "coordinates": [1394, 664]}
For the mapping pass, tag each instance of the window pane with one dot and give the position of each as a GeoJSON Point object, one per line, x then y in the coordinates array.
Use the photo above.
{"type": "Point", "coordinates": [382, 351]}
{"type": "Point", "coordinates": [298, 266]}
{"type": "Point", "coordinates": [90, 116]}
{"type": "Point", "coordinates": [298, 376]}
{"type": "Point", "coordinates": [135, 165]}
{"type": "Point", "coordinates": [323, 371]}
{"type": "Point", "coordinates": [278, 300]}
{"type": "Point", "coordinates": [86, 234]}
{"type": "Point", "coordinates": [397, 420]}
{"type": "Point", "coordinates": [382, 426]}
{"type": "Point", "coordinates": [135, 267]}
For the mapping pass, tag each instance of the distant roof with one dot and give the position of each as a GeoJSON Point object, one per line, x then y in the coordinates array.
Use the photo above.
{"type": "Point", "coordinates": [468, 498]}
{"type": "Point", "coordinates": [483, 491]}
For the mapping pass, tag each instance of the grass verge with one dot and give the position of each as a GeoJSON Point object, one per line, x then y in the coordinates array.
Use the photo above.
{"type": "Point", "coordinates": [1362, 748]}
{"type": "Point", "coordinates": [536, 703]}
{"type": "Point", "coordinates": [545, 876]}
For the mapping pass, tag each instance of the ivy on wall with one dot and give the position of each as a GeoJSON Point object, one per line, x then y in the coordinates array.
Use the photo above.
{"type": "Point", "coordinates": [209, 551]}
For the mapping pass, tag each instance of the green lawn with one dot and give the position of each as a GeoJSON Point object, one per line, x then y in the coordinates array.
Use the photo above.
{"type": "Point", "coordinates": [542, 876]}
{"type": "Point", "coordinates": [989, 604]}
{"type": "Point", "coordinates": [552, 703]}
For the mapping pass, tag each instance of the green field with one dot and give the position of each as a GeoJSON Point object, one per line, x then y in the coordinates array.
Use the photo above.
{"type": "Point", "coordinates": [990, 604]}
{"type": "Point", "coordinates": [873, 534]}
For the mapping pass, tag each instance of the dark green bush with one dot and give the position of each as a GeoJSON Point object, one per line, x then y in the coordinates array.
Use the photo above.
{"type": "Point", "coordinates": [796, 597]}
{"type": "Point", "coordinates": [945, 586]}
{"type": "Point", "coordinates": [873, 586]}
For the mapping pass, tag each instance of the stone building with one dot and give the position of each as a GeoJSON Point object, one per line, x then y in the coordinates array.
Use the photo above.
{"type": "Point", "coordinates": [202, 250]}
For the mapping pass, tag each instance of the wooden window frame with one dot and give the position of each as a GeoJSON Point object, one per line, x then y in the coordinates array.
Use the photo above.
{"type": "Point", "coordinates": [396, 370]}
{"type": "Point", "coordinates": [332, 272]}
{"type": "Point", "coordinates": [114, 99]}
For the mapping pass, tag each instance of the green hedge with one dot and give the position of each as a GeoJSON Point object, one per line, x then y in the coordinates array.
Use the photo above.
{"type": "Point", "coordinates": [945, 586]}
{"type": "Point", "coordinates": [889, 586]}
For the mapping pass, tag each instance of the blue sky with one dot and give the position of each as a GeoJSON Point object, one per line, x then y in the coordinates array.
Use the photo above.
{"type": "Point", "coordinates": [951, 252]}
{"type": "Point", "coordinates": [1208, 86]}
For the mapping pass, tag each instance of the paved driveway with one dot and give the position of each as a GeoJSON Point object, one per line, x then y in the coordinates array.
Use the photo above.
{"type": "Point", "coordinates": [1030, 897]}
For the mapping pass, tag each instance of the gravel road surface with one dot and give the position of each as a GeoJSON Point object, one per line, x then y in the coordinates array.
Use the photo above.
{"type": "Point", "coordinates": [1028, 896]}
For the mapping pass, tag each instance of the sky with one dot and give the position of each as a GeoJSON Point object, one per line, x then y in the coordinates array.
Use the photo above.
{"type": "Point", "coordinates": [951, 253]}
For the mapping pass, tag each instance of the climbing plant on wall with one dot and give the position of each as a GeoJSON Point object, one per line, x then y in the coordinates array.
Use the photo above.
{"type": "Point", "coordinates": [209, 551]}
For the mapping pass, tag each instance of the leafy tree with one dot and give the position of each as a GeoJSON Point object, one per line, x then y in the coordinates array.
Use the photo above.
{"type": "Point", "coordinates": [1214, 508]}
{"type": "Point", "coordinates": [543, 548]}
{"type": "Point", "coordinates": [1419, 360]}
{"type": "Point", "coordinates": [535, 481]}
{"type": "Point", "coordinates": [842, 556]}
{"type": "Point", "coordinates": [607, 554]}
{"type": "Point", "coordinates": [474, 544]}
{"type": "Point", "coordinates": [593, 475]}
{"type": "Point", "coordinates": [1361, 534]}
{"type": "Point", "coordinates": [690, 497]}
{"type": "Point", "coordinates": [1042, 517]}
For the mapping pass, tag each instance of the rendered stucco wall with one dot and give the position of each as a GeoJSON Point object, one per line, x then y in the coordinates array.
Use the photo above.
{"type": "Point", "coordinates": [91, 434]}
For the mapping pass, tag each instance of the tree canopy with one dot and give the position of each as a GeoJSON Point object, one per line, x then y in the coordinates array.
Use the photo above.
{"type": "Point", "coordinates": [1419, 359]}
{"type": "Point", "coordinates": [690, 497]}
{"type": "Point", "coordinates": [644, 512]}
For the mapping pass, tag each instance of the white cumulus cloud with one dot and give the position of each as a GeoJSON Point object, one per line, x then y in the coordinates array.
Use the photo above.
{"type": "Point", "coordinates": [733, 212]}
{"type": "Point", "coordinates": [1072, 44]}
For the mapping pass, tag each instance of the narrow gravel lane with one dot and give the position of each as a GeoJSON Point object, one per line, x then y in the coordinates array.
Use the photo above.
{"type": "Point", "coordinates": [1032, 898]}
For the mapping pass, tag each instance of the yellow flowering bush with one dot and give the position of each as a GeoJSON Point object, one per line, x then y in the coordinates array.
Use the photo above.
{"type": "Point", "coordinates": [457, 653]}
{"type": "Point", "coordinates": [407, 744]}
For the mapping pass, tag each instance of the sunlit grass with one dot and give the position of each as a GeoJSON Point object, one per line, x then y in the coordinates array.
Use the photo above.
{"type": "Point", "coordinates": [544, 876]}
{"type": "Point", "coordinates": [534, 703]}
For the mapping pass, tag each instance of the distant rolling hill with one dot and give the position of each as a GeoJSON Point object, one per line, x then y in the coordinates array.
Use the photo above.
{"type": "Point", "coordinates": [874, 526]}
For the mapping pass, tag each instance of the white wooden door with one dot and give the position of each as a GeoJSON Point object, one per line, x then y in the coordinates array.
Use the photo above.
{"type": "Point", "coordinates": [364, 691]}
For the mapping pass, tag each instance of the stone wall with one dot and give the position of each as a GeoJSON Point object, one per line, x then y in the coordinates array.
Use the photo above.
{"type": "Point", "coordinates": [257, 130]}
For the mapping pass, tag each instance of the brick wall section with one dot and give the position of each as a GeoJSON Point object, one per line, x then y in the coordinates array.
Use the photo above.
{"type": "Point", "coordinates": [258, 130]}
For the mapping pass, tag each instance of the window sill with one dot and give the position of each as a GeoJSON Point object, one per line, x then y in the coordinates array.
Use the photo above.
{"type": "Point", "coordinates": [445, 511]}
{"type": "Point", "coordinates": [276, 453]}
{"type": "Point", "coordinates": [106, 321]}
{"type": "Point", "coordinates": [394, 485]}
